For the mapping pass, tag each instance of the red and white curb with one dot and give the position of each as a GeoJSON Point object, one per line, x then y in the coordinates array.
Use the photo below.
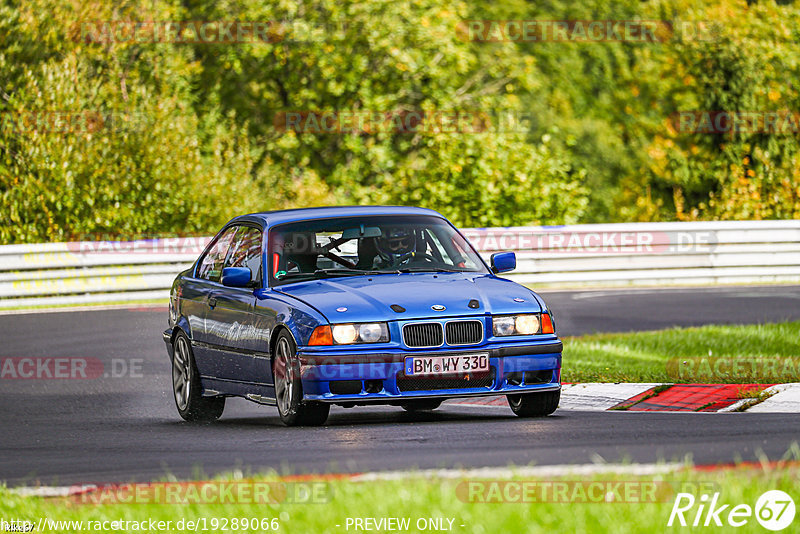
{"type": "Point", "coordinates": [644, 397]}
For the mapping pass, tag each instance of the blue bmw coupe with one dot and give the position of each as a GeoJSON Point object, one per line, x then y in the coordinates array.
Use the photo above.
{"type": "Point", "coordinates": [302, 309]}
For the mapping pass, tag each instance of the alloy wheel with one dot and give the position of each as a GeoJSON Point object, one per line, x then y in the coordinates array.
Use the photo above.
{"type": "Point", "coordinates": [284, 376]}
{"type": "Point", "coordinates": [181, 374]}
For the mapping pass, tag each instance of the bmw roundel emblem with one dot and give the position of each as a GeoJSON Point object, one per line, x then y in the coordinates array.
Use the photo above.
{"type": "Point", "coordinates": [438, 307]}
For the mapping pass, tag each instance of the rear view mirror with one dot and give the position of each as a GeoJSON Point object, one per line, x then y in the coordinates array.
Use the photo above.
{"type": "Point", "coordinates": [236, 276]}
{"type": "Point", "coordinates": [502, 262]}
{"type": "Point", "coordinates": [362, 231]}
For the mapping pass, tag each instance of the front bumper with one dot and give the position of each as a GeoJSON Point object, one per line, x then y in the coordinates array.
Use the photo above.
{"type": "Point", "coordinates": [167, 337]}
{"type": "Point", "coordinates": [339, 376]}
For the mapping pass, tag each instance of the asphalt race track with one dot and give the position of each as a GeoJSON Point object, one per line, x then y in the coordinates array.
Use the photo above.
{"type": "Point", "coordinates": [126, 428]}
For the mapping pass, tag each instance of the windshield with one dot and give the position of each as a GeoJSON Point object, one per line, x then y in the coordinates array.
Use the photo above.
{"type": "Point", "coordinates": [353, 246]}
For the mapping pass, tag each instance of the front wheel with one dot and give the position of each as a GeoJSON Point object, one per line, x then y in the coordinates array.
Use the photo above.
{"type": "Point", "coordinates": [289, 389]}
{"type": "Point", "coordinates": [186, 388]}
{"type": "Point", "coordinates": [534, 404]}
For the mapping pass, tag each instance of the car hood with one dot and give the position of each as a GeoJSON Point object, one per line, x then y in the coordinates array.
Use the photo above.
{"type": "Point", "coordinates": [368, 298]}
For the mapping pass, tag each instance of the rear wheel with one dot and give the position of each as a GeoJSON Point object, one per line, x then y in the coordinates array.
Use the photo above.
{"type": "Point", "coordinates": [421, 405]}
{"type": "Point", "coordinates": [534, 404]}
{"type": "Point", "coordinates": [289, 389]}
{"type": "Point", "coordinates": [186, 387]}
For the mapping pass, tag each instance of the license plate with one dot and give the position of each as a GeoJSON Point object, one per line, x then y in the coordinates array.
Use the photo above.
{"type": "Point", "coordinates": [442, 365]}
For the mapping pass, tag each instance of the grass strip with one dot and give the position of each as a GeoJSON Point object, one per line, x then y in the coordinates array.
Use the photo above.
{"type": "Point", "coordinates": [723, 354]}
{"type": "Point", "coordinates": [565, 504]}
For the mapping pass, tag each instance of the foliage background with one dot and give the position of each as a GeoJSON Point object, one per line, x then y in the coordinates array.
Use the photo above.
{"type": "Point", "coordinates": [195, 142]}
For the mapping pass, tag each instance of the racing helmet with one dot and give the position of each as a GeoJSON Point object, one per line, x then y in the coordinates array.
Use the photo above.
{"type": "Point", "coordinates": [396, 243]}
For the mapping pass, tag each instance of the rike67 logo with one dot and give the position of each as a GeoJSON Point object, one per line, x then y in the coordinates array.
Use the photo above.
{"type": "Point", "coordinates": [774, 510]}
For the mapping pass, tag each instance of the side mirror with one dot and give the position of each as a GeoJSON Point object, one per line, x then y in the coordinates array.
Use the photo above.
{"type": "Point", "coordinates": [236, 276]}
{"type": "Point", "coordinates": [502, 262]}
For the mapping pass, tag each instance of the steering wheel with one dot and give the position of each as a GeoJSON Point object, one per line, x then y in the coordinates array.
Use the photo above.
{"type": "Point", "coordinates": [418, 256]}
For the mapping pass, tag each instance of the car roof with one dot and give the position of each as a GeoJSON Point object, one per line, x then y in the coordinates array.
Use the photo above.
{"type": "Point", "coordinates": [271, 218]}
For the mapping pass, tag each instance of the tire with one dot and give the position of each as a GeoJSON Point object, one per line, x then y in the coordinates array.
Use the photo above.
{"type": "Point", "coordinates": [186, 387]}
{"type": "Point", "coordinates": [534, 404]}
{"type": "Point", "coordinates": [289, 388]}
{"type": "Point", "coordinates": [422, 405]}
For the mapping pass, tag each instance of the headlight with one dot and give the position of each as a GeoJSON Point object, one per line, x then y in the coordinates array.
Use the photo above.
{"type": "Point", "coordinates": [370, 332]}
{"type": "Point", "coordinates": [346, 334]}
{"type": "Point", "coordinates": [504, 326]}
{"type": "Point", "coordinates": [527, 324]}
{"type": "Point", "coordinates": [516, 325]}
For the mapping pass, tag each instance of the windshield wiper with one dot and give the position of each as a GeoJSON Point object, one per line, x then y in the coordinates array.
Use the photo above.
{"type": "Point", "coordinates": [284, 276]}
{"type": "Point", "coordinates": [340, 272]}
{"type": "Point", "coordinates": [427, 270]}
{"type": "Point", "coordinates": [323, 273]}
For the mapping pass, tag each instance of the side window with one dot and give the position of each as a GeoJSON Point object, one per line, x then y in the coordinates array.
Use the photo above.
{"type": "Point", "coordinates": [453, 250]}
{"type": "Point", "coordinates": [210, 267]}
{"type": "Point", "coordinates": [246, 251]}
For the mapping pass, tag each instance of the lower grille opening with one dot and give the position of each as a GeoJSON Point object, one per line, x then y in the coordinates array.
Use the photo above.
{"type": "Point", "coordinates": [514, 379]}
{"type": "Point", "coordinates": [373, 386]}
{"type": "Point", "coordinates": [538, 377]}
{"type": "Point", "coordinates": [345, 387]}
{"type": "Point", "coordinates": [483, 379]}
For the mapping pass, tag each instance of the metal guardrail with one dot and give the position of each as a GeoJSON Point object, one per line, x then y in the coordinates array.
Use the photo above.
{"type": "Point", "coordinates": [629, 254]}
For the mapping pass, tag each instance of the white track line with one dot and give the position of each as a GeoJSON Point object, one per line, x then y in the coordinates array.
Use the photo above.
{"type": "Point", "coordinates": [104, 307]}
{"type": "Point", "coordinates": [50, 491]}
{"type": "Point", "coordinates": [533, 471]}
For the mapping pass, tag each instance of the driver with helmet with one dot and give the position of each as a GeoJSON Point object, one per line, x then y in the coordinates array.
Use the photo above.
{"type": "Point", "coordinates": [395, 246]}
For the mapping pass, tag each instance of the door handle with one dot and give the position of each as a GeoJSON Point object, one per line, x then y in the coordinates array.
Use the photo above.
{"type": "Point", "coordinates": [212, 301]}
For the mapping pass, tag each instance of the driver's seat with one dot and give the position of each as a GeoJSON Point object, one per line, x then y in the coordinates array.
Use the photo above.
{"type": "Point", "coordinates": [303, 251]}
{"type": "Point", "coordinates": [367, 250]}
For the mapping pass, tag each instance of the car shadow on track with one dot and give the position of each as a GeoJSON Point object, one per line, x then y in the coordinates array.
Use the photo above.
{"type": "Point", "coordinates": [364, 417]}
